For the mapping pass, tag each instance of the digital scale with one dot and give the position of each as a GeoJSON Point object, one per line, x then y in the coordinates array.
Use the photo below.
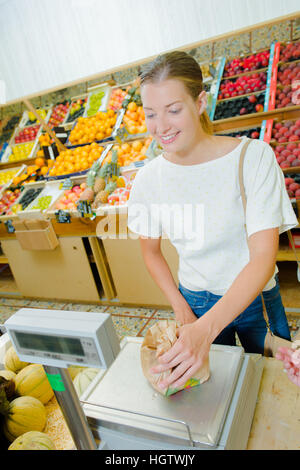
{"type": "Point", "coordinates": [120, 409]}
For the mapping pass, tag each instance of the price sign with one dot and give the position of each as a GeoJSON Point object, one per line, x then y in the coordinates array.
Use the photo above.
{"type": "Point", "coordinates": [85, 210]}
{"type": "Point", "coordinates": [9, 226]}
{"type": "Point", "coordinates": [63, 217]}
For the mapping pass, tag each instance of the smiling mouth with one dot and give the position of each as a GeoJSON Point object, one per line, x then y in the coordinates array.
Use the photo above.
{"type": "Point", "coordinates": [168, 139]}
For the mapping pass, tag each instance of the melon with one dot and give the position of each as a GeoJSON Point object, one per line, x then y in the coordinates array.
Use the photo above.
{"type": "Point", "coordinates": [32, 381]}
{"type": "Point", "coordinates": [32, 440]}
{"type": "Point", "coordinates": [24, 414]}
{"type": "Point", "coordinates": [83, 379]}
{"type": "Point", "coordinates": [7, 374]}
{"type": "Point", "coordinates": [12, 361]}
{"type": "Point", "coordinates": [74, 370]}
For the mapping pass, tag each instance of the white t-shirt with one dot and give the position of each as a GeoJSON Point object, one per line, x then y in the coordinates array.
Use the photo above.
{"type": "Point", "coordinates": [199, 208]}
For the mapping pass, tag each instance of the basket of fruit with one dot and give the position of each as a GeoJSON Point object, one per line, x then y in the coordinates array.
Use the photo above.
{"type": "Point", "coordinates": [246, 63]}
{"type": "Point", "coordinates": [29, 119]}
{"type": "Point", "coordinates": [97, 100]}
{"type": "Point", "coordinates": [286, 144]}
{"type": "Point", "coordinates": [98, 128]}
{"type": "Point", "coordinates": [58, 114]}
{"type": "Point", "coordinates": [75, 161]}
{"type": "Point", "coordinates": [68, 200]}
{"type": "Point", "coordinates": [76, 110]}
{"type": "Point", "coordinates": [36, 209]}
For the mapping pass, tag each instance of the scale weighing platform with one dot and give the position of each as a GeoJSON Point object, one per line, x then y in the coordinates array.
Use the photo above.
{"type": "Point", "coordinates": [120, 410]}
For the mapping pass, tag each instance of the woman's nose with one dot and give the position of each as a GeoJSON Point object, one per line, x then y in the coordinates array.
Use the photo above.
{"type": "Point", "coordinates": [162, 126]}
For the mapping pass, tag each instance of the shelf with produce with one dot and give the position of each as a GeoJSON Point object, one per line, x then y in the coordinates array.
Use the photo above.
{"type": "Point", "coordinates": [286, 143]}
{"type": "Point", "coordinates": [245, 63]}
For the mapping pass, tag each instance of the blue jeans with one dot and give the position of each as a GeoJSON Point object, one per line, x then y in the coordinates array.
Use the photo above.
{"type": "Point", "coordinates": [250, 325]}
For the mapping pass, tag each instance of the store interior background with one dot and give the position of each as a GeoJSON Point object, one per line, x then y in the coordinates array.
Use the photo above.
{"type": "Point", "coordinates": [53, 50]}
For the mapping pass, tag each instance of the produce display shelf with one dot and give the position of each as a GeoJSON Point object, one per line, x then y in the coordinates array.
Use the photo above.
{"type": "Point", "coordinates": [52, 189]}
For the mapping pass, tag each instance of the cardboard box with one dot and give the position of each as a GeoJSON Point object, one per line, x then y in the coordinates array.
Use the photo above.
{"type": "Point", "coordinates": [38, 235]}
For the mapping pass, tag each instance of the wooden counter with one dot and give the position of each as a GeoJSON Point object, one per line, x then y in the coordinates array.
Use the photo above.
{"type": "Point", "coordinates": [276, 421]}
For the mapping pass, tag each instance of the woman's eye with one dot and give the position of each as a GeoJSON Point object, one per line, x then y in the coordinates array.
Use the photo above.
{"type": "Point", "coordinates": [149, 116]}
{"type": "Point", "coordinates": [175, 111]}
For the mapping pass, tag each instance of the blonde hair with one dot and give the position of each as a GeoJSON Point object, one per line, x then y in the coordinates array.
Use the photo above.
{"type": "Point", "coordinates": [180, 66]}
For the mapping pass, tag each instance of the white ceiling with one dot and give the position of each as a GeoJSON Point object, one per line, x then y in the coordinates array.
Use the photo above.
{"type": "Point", "coordinates": [49, 43]}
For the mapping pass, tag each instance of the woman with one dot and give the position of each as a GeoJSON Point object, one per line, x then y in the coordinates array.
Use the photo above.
{"type": "Point", "coordinates": [191, 194]}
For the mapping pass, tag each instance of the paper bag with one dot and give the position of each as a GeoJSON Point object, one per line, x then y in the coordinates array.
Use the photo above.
{"type": "Point", "coordinates": [158, 340]}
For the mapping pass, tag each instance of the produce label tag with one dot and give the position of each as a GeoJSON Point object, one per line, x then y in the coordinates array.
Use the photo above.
{"type": "Point", "coordinates": [9, 226]}
{"type": "Point", "coordinates": [56, 382]}
{"type": "Point", "coordinates": [85, 210]}
{"type": "Point", "coordinates": [63, 217]}
{"type": "Point", "coordinates": [67, 184]}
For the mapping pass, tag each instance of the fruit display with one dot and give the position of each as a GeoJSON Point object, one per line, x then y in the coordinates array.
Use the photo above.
{"type": "Point", "coordinates": [286, 131]}
{"type": "Point", "coordinates": [242, 85]}
{"type": "Point", "coordinates": [76, 159]}
{"type": "Point", "coordinates": [134, 117]}
{"type": "Point", "coordinates": [8, 129]}
{"type": "Point", "coordinates": [119, 196]}
{"type": "Point", "coordinates": [289, 52]}
{"type": "Point", "coordinates": [239, 65]}
{"type": "Point", "coordinates": [252, 133]}
{"type": "Point", "coordinates": [288, 81]}
{"type": "Point", "coordinates": [30, 118]}
{"type": "Point", "coordinates": [29, 195]}
{"type": "Point", "coordinates": [70, 197]}
{"type": "Point", "coordinates": [130, 152]}
{"type": "Point", "coordinates": [116, 98]}
{"type": "Point", "coordinates": [42, 203]}
{"type": "Point", "coordinates": [7, 200]}
{"type": "Point", "coordinates": [77, 109]}
{"type": "Point", "coordinates": [292, 187]}
{"type": "Point", "coordinates": [97, 100]}
{"type": "Point", "coordinates": [93, 129]}
{"type": "Point", "coordinates": [58, 114]}
{"type": "Point", "coordinates": [7, 175]}
{"type": "Point", "coordinates": [27, 134]}
{"type": "Point", "coordinates": [286, 143]}
{"type": "Point", "coordinates": [239, 106]}
{"type": "Point", "coordinates": [21, 152]}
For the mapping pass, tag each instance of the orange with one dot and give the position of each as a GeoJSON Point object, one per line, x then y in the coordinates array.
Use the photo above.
{"type": "Point", "coordinates": [44, 170]}
{"type": "Point", "coordinates": [39, 162]}
{"type": "Point", "coordinates": [50, 163]}
{"type": "Point", "coordinates": [137, 145]}
{"type": "Point", "coordinates": [132, 106]}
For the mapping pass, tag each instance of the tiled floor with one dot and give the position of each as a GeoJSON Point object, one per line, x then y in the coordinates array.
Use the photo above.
{"type": "Point", "coordinates": [127, 321]}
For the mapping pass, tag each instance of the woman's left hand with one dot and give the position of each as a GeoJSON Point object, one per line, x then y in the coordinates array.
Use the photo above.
{"type": "Point", "coordinates": [186, 356]}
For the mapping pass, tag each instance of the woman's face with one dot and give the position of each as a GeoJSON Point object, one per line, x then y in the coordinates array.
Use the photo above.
{"type": "Point", "coordinates": [172, 116]}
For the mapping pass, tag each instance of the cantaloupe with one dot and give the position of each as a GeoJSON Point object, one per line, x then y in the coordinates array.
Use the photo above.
{"type": "Point", "coordinates": [74, 370]}
{"type": "Point", "coordinates": [7, 374]}
{"type": "Point", "coordinates": [12, 361]}
{"type": "Point", "coordinates": [83, 379]}
{"type": "Point", "coordinates": [24, 414]}
{"type": "Point", "coordinates": [32, 381]}
{"type": "Point", "coordinates": [32, 440]}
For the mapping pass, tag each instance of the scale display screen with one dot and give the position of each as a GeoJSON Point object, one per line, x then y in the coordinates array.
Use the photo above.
{"type": "Point", "coordinates": [51, 344]}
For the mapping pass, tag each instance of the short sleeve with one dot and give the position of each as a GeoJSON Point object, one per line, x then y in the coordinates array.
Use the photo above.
{"type": "Point", "coordinates": [268, 203]}
{"type": "Point", "coordinates": [143, 211]}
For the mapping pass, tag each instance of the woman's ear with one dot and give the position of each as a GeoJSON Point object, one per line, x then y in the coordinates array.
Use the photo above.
{"type": "Point", "coordinates": [202, 102]}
